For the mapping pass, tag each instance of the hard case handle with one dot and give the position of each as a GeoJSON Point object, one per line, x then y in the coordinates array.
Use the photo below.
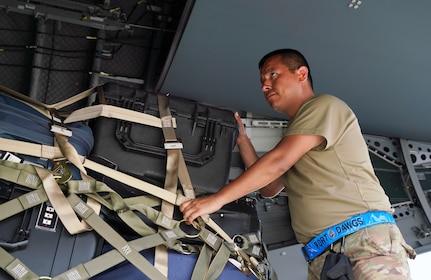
{"type": "Point", "coordinates": [206, 153]}
{"type": "Point", "coordinates": [10, 247]}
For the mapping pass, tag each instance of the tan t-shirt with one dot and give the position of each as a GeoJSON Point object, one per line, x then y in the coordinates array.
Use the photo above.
{"type": "Point", "coordinates": [336, 180]}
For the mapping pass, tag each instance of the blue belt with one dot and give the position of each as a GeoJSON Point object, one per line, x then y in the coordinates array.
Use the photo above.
{"type": "Point", "coordinates": [321, 242]}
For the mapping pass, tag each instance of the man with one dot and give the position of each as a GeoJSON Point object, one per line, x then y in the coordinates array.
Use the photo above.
{"type": "Point", "coordinates": [335, 199]}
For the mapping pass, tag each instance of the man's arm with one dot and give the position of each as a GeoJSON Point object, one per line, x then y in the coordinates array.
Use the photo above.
{"type": "Point", "coordinates": [249, 157]}
{"type": "Point", "coordinates": [264, 171]}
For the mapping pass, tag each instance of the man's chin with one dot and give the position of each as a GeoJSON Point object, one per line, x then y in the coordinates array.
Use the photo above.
{"type": "Point", "coordinates": [273, 106]}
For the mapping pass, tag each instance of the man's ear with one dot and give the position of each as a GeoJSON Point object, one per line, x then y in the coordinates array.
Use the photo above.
{"type": "Point", "coordinates": [302, 73]}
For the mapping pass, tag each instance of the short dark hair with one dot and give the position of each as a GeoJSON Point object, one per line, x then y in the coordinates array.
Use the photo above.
{"type": "Point", "coordinates": [293, 59]}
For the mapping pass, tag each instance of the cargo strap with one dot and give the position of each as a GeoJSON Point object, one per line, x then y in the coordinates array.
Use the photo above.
{"type": "Point", "coordinates": [170, 236]}
{"type": "Point", "coordinates": [86, 113]}
{"type": "Point", "coordinates": [106, 110]}
{"type": "Point", "coordinates": [135, 183]}
{"type": "Point", "coordinates": [15, 267]}
{"type": "Point", "coordinates": [171, 178]}
{"type": "Point", "coordinates": [113, 238]}
{"type": "Point", "coordinates": [114, 112]}
{"type": "Point", "coordinates": [59, 202]}
{"type": "Point", "coordinates": [113, 257]}
{"type": "Point", "coordinates": [66, 214]}
{"type": "Point", "coordinates": [52, 191]}
{"type": "Point", "coordinates": [28, 175]}
{"type": "Point", "coordinates": [46, 109]}
{"type": "Point", "coordinates": [170, 137]}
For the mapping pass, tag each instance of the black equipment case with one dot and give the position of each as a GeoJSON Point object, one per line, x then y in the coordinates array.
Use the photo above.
{"type": "Point", "coordinates": [208, 135]}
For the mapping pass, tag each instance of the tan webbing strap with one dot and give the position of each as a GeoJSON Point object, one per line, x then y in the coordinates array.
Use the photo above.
{"type": "Point", "coordinates": [110, 111]}
{"type": "Point", "coordinates": [15, 268]}
{"type": "Point", "coordinates": [171, 180]}
{"type": "Point", "coordinates": [70, 152]}
{"type": "Point", "coordinates": [48, 107]}
{"type": "Point", "coordinates": [36, 150]}
{"type": "Point", "coordinates": [169, 134]}
{"type": "Point", "coordinates": [52, 153]}
{"type": "Point", "coordinates": [131, 181]}
{"type": "Point", "coordinates": [186, 182]}
{"type": "Point", "coordinates": [72, 156]}
{"type": "Point", "coordinates": [30, 149]}
{"type": "Point", "coordinates": [59, 202]}
{"type": "Point", "coordinates": [113, 238]}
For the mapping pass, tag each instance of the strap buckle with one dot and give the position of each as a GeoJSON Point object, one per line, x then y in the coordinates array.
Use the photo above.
{"type": "Point", "coordinates": [61, 171]}
{"type": "Point", "coordinates": [58, 126]}
{"type": "Point", "coordinates": [191, 231]}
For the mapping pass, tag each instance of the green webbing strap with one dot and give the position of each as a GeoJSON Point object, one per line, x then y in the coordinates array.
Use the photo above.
{"type": "Point", "coordinates": [203, 263]}
{"type": "Point", "coordinates": [251, 244]}
{"type": "Point", "coordinates": [14, 267]}
{"type": "Point", "coordinates": [218, 263]}
{"type": "Point", "coordinates": [113, 238]}
{"type": "Point", "coordinates": [24, 175]}
{"type": "Point", "coordinates": [124, 207]}
{"type": "Point", "coordinates": [148, 200]}
{"type": "Point", "coordinates": [22, 203]}
{"type": "Point", "coordinates": [206, 266]}
{"type": "Point", "coordinates": [114, 257]}
{"type": "Point", "coordinates": [113, 201]}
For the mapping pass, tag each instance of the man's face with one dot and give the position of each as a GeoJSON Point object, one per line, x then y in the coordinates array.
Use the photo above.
{"type": "Point", "coordinates": [279, 85]}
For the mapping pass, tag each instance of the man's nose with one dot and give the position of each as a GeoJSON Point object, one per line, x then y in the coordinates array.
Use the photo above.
{"type": "Point", "coordinates": [266, 85]}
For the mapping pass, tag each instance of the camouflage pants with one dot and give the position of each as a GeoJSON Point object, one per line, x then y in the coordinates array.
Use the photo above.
{"type": "Point", "coordinates": [378, 252]}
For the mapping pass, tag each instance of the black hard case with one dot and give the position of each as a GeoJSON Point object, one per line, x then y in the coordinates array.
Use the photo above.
{"type": "Point", "coordinates": [275, 219]}
{"type": "Point", "coordinates": [38, 238]}
{"type": "Point", "coordinates": [207, 133]}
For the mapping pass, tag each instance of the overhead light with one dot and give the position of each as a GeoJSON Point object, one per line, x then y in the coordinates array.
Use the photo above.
{"type": "Point", "coordinates": [354, 4]}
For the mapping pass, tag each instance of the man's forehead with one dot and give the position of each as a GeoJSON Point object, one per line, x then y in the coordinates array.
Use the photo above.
{"type": "Point", "coordinates": [271, 64]}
